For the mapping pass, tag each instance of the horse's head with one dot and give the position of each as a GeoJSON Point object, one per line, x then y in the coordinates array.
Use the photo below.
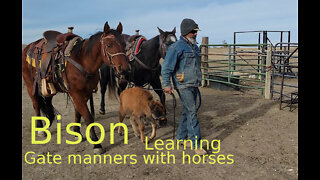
{"type": "Point", "coordinates": [166, 39]}
{"type": "Point", "coordinates": [113, 49]}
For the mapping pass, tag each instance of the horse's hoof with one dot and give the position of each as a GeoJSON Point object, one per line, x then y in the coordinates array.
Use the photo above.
{"type": "Point", "coordinates": [42, 134]}
{"type": "Point", "coordinates": [98, 150]}
{"type": "Point", "coordinates": [102, 112]}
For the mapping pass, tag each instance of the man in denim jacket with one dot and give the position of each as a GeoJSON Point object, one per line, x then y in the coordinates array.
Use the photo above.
{"type": "Point", "coordinates": [182, 64]}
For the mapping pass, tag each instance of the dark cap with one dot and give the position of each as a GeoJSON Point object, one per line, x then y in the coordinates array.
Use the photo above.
{"type": "Point", "coordinates": [187, 25]}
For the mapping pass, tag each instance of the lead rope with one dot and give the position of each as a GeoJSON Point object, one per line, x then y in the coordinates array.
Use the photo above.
{"type": "Point", "coordinates": [174, 104]}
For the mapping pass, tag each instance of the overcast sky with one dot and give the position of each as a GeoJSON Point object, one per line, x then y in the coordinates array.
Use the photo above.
{"type": "Point", "coordinates": [217, 19]}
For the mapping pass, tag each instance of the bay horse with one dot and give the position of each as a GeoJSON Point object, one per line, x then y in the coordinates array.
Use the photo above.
{"type": "Point", "coordinates": [85, 59]}
{"type": "Point", "coordinates": [145, 67]}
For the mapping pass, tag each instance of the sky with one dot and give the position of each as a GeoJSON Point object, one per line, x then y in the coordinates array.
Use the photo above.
{"type": "Point", "coordinates": [217, 19]}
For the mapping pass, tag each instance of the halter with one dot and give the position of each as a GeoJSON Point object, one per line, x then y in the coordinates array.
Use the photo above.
{"type": "Point", "coordinates": [108, 54]}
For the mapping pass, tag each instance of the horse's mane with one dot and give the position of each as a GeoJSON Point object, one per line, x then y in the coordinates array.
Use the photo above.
{"type": "Point", "coordinates": [77, 49]}
{"type": "Point", "coordinates": [148, 48]}
{"type": "Point", "coordinates": [91, 42]}
{"type": "Point", "coordinates": [150, 43]}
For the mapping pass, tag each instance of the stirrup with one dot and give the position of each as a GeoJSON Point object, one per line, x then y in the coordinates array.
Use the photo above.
{"type": "Point", "coordinates": [44, 90]}
{"type": "Point", "coordinates": [52, 89]}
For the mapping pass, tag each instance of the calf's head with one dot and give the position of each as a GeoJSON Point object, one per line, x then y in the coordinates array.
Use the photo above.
{"type": "Point", "coordinates": [158, 111]}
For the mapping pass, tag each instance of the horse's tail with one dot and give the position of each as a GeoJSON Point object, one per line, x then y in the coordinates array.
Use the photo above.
{"type": "Point", "coordinates": [46, 107]}
{"type": "Point", "coordinates": [112, 83]}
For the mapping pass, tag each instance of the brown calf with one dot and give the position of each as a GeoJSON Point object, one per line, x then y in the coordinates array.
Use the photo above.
{"type": "Point", "coordinates": [139, 103]}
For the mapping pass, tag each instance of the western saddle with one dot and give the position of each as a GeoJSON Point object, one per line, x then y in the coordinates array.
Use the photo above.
{"type": "Point", "coordinates": [50, 70]}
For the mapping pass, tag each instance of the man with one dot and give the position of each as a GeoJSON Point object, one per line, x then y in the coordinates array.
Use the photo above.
{"type": "Point", "coordinates": [182, 64]}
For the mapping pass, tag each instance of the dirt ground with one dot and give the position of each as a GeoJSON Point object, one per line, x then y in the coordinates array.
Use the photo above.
{"type": "Point", "coordinates": [261, 140]}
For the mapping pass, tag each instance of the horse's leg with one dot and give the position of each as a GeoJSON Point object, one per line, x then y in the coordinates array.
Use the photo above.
{"type": "Point", "coordinates": [122, 86]}
{"type": "Point", "coordinates": [44, 104]}
{"type": "Point", "coordinates": [49, 109]}
{"type": "Point", "coordinates": [34, 98]}
{"type": "Point", "coordinates": [35, 103]}
{"type": "Point", "coordinates": [77, 119]}
{"type": "Point", "coordinates": [103, 89]}
{"type": "Point", "coordinates": [80, 102]}
{"type": "Point", "coordinates": [36, 108]}
{"type": "Point", "coordinates": [92, 106]}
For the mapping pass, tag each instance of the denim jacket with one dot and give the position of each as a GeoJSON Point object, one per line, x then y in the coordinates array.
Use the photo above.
{"type": "Point", "coordinates": [182, 63]}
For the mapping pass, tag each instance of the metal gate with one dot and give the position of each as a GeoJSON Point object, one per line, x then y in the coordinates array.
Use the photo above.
{"type": "Point", "coordinates": [237, 68]}
{"type": "Point", "coordinates": [284, 80]}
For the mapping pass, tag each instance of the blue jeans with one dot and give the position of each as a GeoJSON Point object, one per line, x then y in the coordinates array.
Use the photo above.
{"type": "Point", "coordinates": [188, 120]}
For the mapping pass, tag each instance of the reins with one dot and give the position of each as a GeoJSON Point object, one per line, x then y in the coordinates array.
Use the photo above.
{"type": "Point", "coordinates": [144, 65]}
{"type": "Point", "coordinates": [80, 68]}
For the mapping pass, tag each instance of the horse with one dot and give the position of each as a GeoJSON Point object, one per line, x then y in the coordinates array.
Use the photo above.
{"type": "Point", "coordinates": [82, 74]}
{"type": "Point", "coordinates": [145, 66]}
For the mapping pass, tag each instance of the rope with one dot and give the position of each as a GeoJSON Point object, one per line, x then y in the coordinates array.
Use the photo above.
{"type": "Point", "coordinates": [174, 104]}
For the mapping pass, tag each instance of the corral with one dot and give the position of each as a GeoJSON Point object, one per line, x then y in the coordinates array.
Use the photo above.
{"type": "Point", "coordinates": [261, 140]}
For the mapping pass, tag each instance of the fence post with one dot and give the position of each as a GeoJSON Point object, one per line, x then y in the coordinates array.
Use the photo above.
{"type": "Point", "coordinates": [267, 87]}
{"type": "Point", "coordinates": [204, 59]}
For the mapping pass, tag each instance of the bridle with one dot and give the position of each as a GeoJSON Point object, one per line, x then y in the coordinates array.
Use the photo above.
{"type": "Point", "coordinates": [108, 54]}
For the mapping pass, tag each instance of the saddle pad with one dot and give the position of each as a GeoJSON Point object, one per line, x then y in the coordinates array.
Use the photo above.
{"type": "Point", "coordinates": [71, 44]}
{"type": "Point", "coordinates": [32, 61]}
{"type": "Point", "coordinates": [137, 44]}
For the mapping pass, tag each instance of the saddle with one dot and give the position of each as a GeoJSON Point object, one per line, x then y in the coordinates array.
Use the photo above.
{"type": "Point", "coordinates": [133, 45]}
{"type": "Point", "coordinates": [51, 68]}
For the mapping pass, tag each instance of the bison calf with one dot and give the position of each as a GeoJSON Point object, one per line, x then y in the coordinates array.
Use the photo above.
{"type": "Point", "coordinates": [139, 103]}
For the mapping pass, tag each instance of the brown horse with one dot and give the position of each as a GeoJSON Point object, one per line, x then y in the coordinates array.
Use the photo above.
{"type": "Point", "coordinates": [81, 72]}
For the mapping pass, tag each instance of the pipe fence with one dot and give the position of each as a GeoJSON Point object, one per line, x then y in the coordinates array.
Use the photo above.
{"type": "Point", "coordinates": [242, 68]}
